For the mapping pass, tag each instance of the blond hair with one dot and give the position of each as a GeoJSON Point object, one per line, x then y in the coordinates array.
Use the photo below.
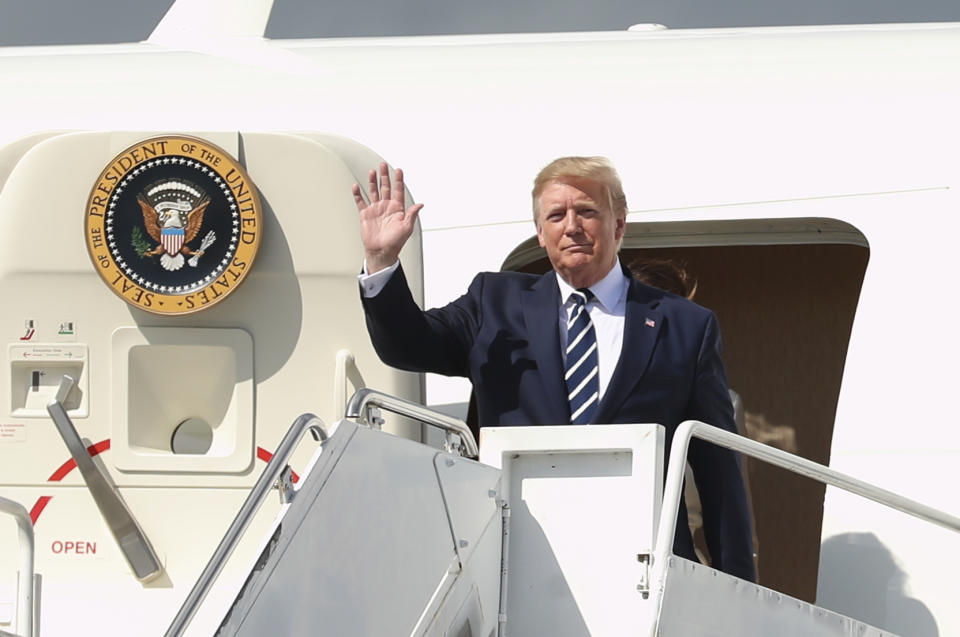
{"type": "Point", "coordinates": [596, 169]}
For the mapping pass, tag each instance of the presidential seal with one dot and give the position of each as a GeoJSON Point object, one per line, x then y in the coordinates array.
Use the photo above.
{"type": "Point", "coordinates": [173, 225]}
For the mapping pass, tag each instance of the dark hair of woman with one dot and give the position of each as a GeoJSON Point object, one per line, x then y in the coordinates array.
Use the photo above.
{"type": "Point", "coordinates": [664, 274]}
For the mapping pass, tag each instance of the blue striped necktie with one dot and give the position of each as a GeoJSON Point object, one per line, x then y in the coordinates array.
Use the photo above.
{"type": "Point", "coordinates": [583, 387]}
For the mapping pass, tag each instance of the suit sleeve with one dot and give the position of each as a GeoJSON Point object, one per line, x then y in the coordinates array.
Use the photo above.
{"type": "Point", "coordinates": [726, 509]}
{"type": "Point", "coordinates": [406, 337]}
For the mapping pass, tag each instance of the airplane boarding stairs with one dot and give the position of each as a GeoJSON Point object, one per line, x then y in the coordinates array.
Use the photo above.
{"type": "Point", "coordinates": [561, 531]}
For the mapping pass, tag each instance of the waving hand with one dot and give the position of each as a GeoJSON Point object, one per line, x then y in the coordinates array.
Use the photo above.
{"type": "Point", "coordinates": [385, 225]}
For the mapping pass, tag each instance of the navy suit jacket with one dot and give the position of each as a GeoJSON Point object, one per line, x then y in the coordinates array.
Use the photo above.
{"type": "Point", "coordinates": [503, 335]}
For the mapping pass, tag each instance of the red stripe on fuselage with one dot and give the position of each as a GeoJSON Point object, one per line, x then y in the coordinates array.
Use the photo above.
{"type": "Point", "coordinates": [93, 450]}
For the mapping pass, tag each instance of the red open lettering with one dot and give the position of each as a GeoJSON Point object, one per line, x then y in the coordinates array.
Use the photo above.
{"type": "Point", "coordinates": [73, 547]}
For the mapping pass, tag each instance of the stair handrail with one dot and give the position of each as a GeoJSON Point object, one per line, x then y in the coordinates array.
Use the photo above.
{"type": "Point", "coordinates": [673, 487]}
{"type": "Point", "coordinates": [364, 398]}
{"type": "Point", "coordinates": [25, 598]}
{"type": "Point", "coordinates": [270, 476]}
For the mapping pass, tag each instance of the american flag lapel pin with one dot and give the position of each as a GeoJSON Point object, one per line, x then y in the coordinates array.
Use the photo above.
{"type": "Point", "coordinates": [650, 322]}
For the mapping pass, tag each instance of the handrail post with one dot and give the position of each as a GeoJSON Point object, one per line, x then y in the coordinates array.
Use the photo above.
{"type": "Point", "coordinates": [670, 503]}
{"type": "Point", "coordinates": [25, 610]}
{"type": "Point", "coordinates": [271, 473]}
{"type": "Point", "coordinates": [365, 398]}
{"type": "Point", "coordinates": [345, 370]}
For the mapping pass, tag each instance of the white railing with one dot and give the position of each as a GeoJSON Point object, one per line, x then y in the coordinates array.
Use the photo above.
{"type": "Point", "coordinates": [274, 474]}
{"type": "Point", "coordinates": [673, 488]}
{"type": "Point", "coordinates": [25, 579]}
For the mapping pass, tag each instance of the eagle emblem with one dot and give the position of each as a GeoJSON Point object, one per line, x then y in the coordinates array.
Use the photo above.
{"type": "Point", "coordinates": [173, 215]}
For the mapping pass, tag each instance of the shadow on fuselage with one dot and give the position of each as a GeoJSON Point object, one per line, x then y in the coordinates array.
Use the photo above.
{"type": "Point", "coordinates": [859, 577]}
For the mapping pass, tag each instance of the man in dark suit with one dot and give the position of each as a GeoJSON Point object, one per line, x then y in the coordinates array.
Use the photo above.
{"type": "Point", "coordinates": [585, 343]}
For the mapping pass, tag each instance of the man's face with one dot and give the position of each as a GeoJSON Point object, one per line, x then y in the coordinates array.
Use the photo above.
{"type": "Point", "coordinates": [579, 230]}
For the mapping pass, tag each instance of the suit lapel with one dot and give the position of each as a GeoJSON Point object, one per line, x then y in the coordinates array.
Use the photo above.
{"type": "Point", "coordinates": [642, 323]}
{"type": "Point", "coordinates": [540, 305]}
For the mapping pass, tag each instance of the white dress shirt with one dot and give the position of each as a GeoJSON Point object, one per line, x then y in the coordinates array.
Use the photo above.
{"type": "Point", "coordinates": [607, 311]}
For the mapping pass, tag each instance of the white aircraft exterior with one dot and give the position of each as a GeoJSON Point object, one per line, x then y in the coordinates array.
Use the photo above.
{"type": "Point", "coordinates": [807, 176]}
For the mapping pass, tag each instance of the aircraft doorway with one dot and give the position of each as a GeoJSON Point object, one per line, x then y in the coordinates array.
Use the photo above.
{"type": "Point", "coordinates": [785, 292]}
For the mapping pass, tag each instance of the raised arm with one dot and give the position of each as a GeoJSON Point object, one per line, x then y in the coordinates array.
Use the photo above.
{"type": "Point", "coordinates": [385, 224]}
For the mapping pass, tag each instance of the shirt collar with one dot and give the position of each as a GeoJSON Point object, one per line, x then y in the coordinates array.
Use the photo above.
{"type": "Point", "coordinates": [608, 290]}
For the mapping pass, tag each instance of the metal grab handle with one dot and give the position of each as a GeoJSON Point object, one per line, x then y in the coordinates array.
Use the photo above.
{"type": "Point", "coordinates": [345, 371]}
{"type": "Point", "coordinates": [694, 429]}
{"type": "Point", "coordinates": [273, 472]}
{"type": "Point", "coordinates": [364, 398]}
{"type": "Point", "coordinates": [25, 599]}
{"type": "Point", "coordinates": [130, 537]}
